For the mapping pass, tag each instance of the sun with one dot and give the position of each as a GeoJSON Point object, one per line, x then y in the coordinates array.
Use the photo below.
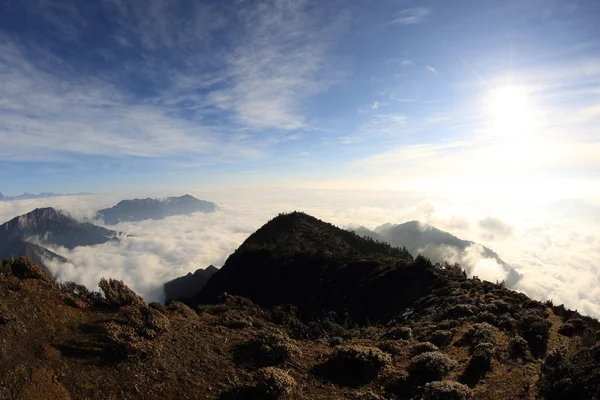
{"type": "Point", "coordinates": [509, 111]}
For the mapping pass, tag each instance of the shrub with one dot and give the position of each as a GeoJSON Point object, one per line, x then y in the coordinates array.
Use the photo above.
{"type": "Point", "coordinates": [430, 366]}
{"type": "Point", "coordinates": [396, 381]}
{"type": "Point", "coordinates": [440, 338]}
{"type": "Point", "coordinates": [274, 383]}
{"type": "Point", "coordinates": [75, 292]}
{"type": "Point", "coordinates": [24, 268]}
{"type": "Point", "coordinates": [536, 330]}
{"type": "Point", "coordinates": [422, 347]}
{"type": "Point", "coordinates": [460, 311]}
{"type": "Point", "coordinates": [577, 377]}
{"type": "Point", "coordinates": [269, 349]}
{"type": "Point", "coordinates": [578, 325]}
{"type": "Point", "coordinates": [117, 294]}
{"type": "Point", "coordinates": [502, 307]}
{"type": "Point", "coordinates": [131, 334]}
{"type": "Point", "coordinates": [567, 330]}
{"type": "Point", "coordinates": [507, 323]}
{"type": "Point", "coordinates": [356, 364]}
{"type": "Point", "coordinates": [481, 358]}
{"type": "Point", "coordinates": [479, 333]}
{"type": "Point", "coordinates": [332, 328]}
{"type": "Point", "coordinates": [147, 322]}
{"type": "Point", "coordinates": [234, 320]}
{"type": "Point", "coordinates": [393, 347]}
{"type": "Point", "coordinates": [402, 332]}
{"type": "Point", "coordinates": [517, 347]}
{"type": "Point", "coordinates": [181, 309]}
{"type": "Point", "coordinates": [447, 390]}
{"type": "Point", "coordinates": [488, 317]}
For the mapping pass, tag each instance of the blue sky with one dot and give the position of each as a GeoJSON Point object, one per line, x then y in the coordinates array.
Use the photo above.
{"type": "Point", "coordinates": [482, 97]}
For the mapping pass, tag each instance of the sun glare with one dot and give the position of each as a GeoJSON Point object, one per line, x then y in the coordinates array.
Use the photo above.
{"type": "Point", "coordinates": [510, 111]}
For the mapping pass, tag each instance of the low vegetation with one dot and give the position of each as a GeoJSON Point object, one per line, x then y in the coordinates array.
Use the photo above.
{"type": "Point", "coordinates": [364, 321]}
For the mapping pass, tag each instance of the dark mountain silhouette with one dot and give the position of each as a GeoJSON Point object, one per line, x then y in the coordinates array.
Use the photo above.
{"type": "Point", "coordinates": [445, 335]}
{"type": "Point", "coordinates": [433, 243]}
{"type": "Point", "coordinates": [298, 259]}
{"type": "Point", "coordinates": [143, 209]}
{"type": "Point", "coordinates": [188, 286]}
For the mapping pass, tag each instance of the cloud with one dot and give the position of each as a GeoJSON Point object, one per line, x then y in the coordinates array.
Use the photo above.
{"type": "Point", "coordinates": [375, 106]}
{"type": "Point", "coordinates": [495, 228]}
{"type": "Point", "coordinates": [411, 16]}
{"type": "Point", "coordinates": [553, 246]}
{"type": "Point", "coordinates": [170, 94]}
{"type": "Point", "coordinates": [431, 69]}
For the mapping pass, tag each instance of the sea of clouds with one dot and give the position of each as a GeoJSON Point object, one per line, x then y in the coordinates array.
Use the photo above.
{"type": "Point", "coordinates": [555, 246]}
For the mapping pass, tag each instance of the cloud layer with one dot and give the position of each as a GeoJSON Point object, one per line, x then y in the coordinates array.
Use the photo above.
{"type": "Point", "coordinates": [554, 246]}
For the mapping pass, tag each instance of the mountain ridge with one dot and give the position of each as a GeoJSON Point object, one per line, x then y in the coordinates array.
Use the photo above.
{"type": "Point", "coordinates": [149, 208]}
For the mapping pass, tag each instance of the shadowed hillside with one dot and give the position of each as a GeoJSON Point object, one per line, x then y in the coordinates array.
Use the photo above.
{"type": "Point", "coordinates": [322, 269]}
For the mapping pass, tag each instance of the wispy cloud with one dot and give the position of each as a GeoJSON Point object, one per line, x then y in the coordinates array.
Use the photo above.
{"type": "Point", "coordinates": [171, 93]}
{"type": "Point", "coordinates": [431, 69]}
{"type": "Point", "coordinates": [411, 16]}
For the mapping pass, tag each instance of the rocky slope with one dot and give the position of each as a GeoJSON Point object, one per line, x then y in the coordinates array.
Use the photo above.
{"type": "Point", "coordinates": [143, 209]}
{"type": "Point", "coordinates": [459, 338]}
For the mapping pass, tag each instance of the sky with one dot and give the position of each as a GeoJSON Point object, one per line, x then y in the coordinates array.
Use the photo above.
{"type": "Point", "coordinates": [486, 100]}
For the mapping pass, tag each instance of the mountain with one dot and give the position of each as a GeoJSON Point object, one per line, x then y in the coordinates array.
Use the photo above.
{"type": "Point", "coordinates": [188, 286]}
{"type": "Point", "coordinates": [379, 333]}
{"type": "Point", "coordinates": [435, 244]}
{"type": "Point", "coordinates": [35, 253]}
{"type": "Point", "coordinates": [54, 227]}
{"type": "Point", "coordinates": [43, 195]}
{"type": "Point", "coordinates": [320, 268]}
{"type": "Point", "coordinates": [425, 239]}
{"type": "Point", "coordinates": [143, 209]}
{"type": "Point", "coordinates": [49, 226]}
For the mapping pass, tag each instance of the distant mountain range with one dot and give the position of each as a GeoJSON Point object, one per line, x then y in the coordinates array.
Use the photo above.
{"type": "Point", "coordinates": [433, 243]}
{"type": "Point", "coordinates": [44, 195]}
{"type": "Point", "coordinates": [143, 209]}
{"type": "Point", "coordinates": [51, 227]}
